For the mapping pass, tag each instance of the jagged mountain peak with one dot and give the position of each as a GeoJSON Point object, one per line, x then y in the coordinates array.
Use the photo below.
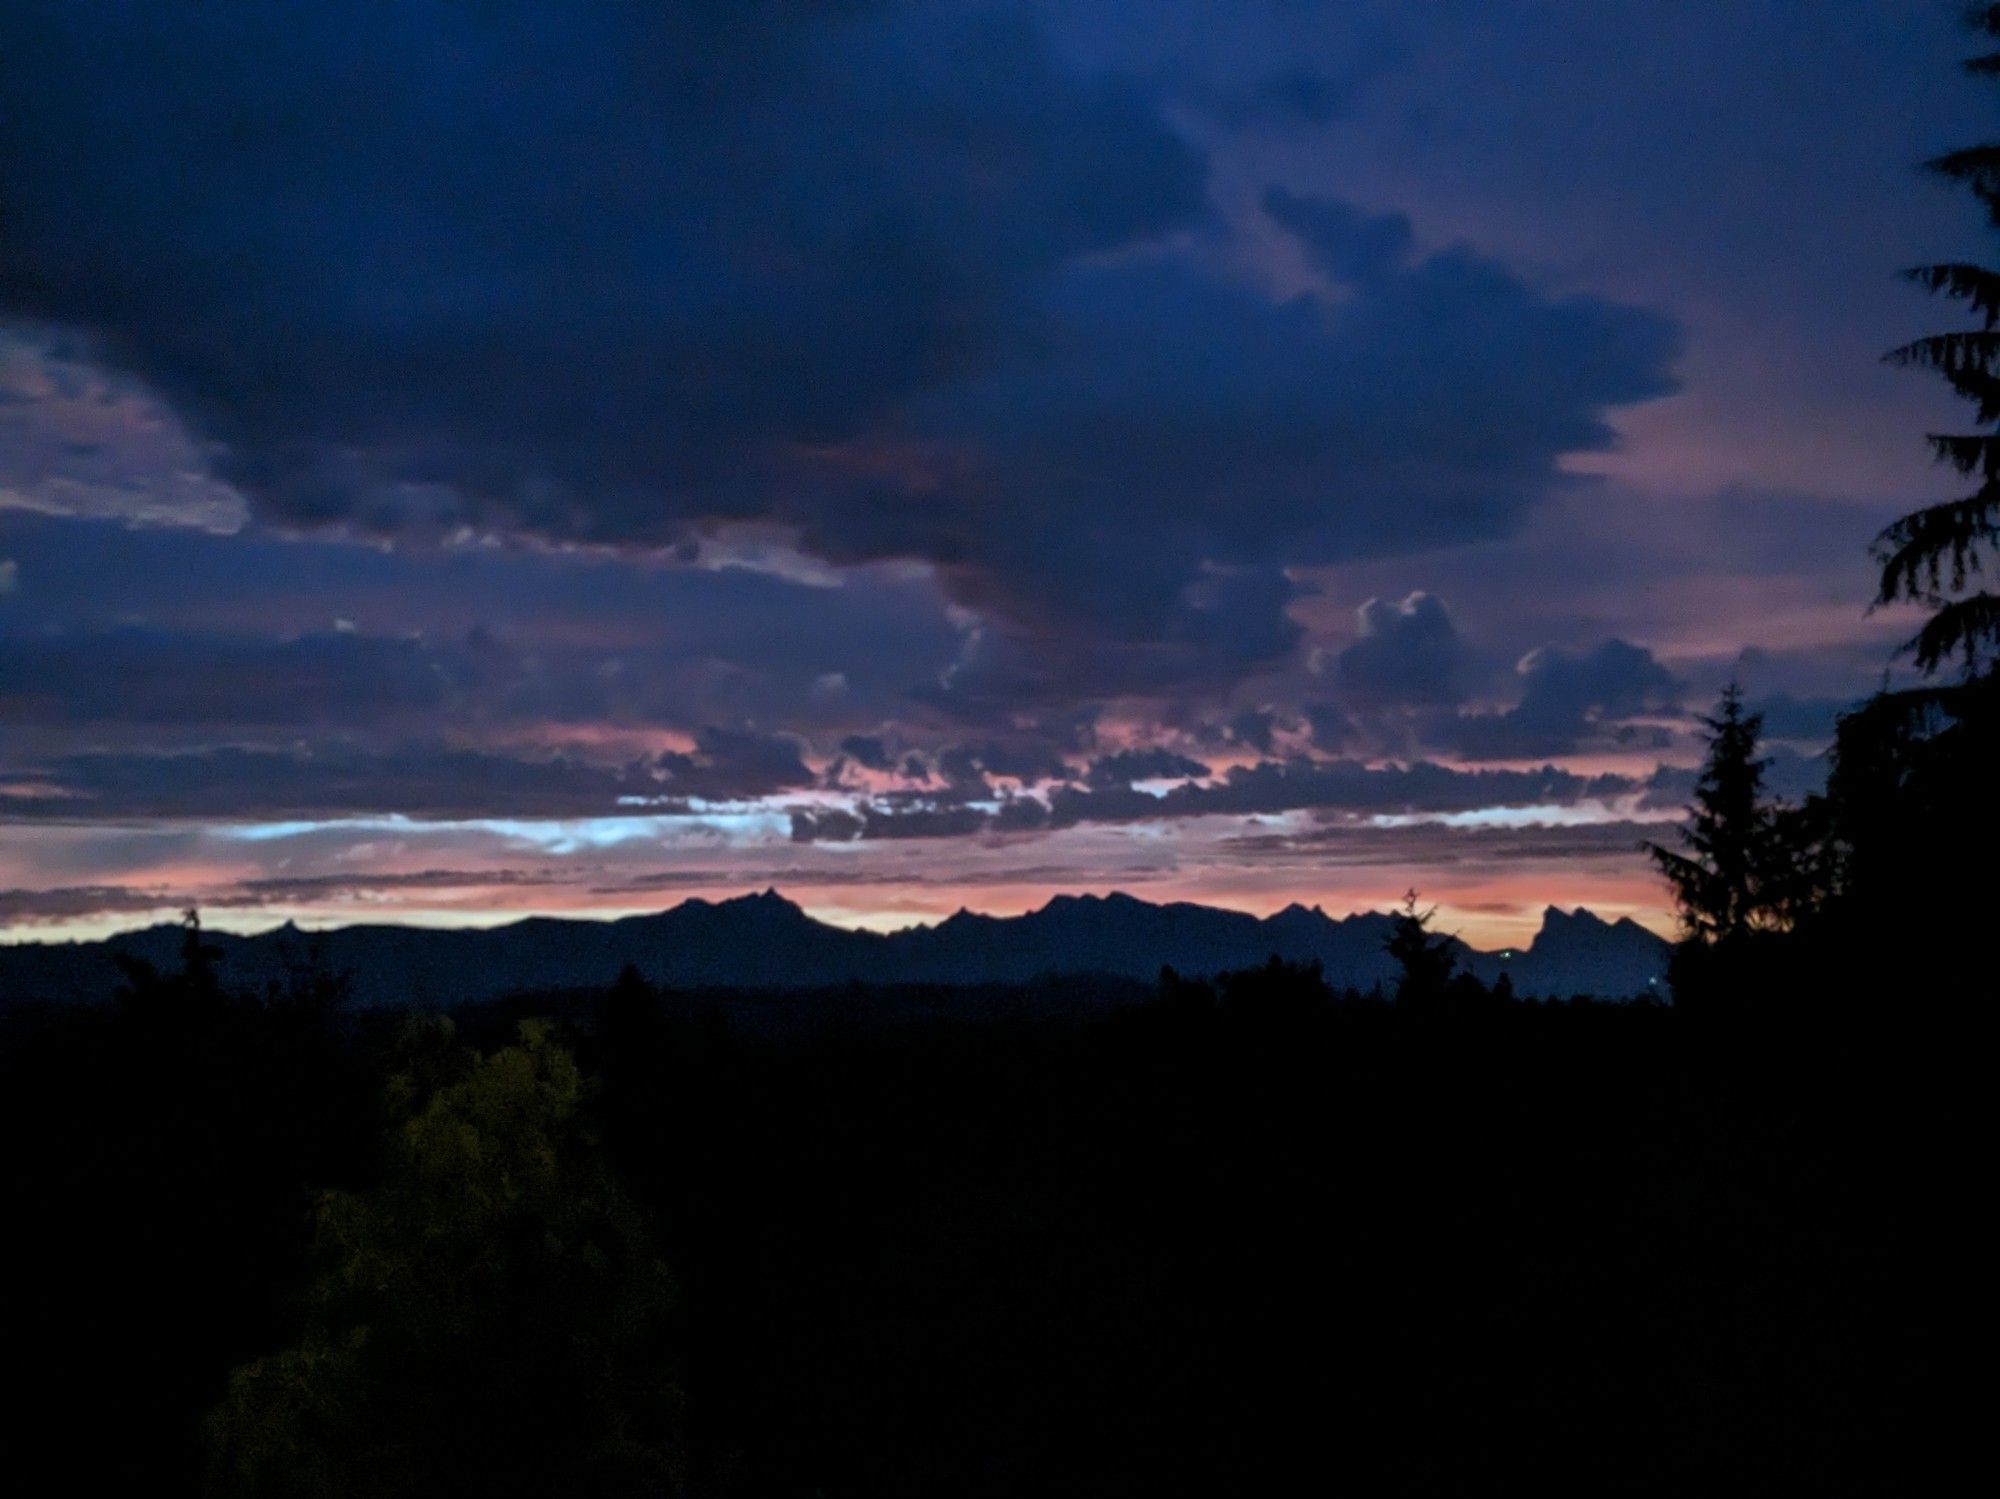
{"type": "Point", "coordinates": [1085, 899]}
{"type": "Point", "coordinates": [766, 902]}
{"type": "Point", "coordinates": [762, 939]}
{"type": "Point", "coordinates": [1556, 916]}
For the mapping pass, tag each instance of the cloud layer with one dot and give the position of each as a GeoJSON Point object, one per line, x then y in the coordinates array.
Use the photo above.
{"type": "Point", "coordinates": [892, 277]}
{"type": "Point", "coordinates": [864, 438]}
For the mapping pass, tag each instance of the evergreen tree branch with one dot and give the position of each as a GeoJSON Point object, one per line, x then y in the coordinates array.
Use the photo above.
{"type": "Point", "coordinates": [1972, 351]}
{"type": "Point", "coordinates": [1965, 281]}
{"type": "Point", "coordinates": [1920, 550]}
{"type": "Point", "coordinates": [1968, 627]}
{"type": "Point", "coordinates": [1970, 453]}
{"type": "Point", "coordinates": [1978, 168]}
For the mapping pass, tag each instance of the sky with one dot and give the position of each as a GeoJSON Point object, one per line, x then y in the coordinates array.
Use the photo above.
{"type": "Point", "coordinates": [464, 460]}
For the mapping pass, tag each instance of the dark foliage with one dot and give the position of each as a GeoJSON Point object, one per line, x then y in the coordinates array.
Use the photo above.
{"type": "Point", "coordinates": [1088, 1240]}
{"type": "Point", "coordinates": [1912, 815]}
{"type": "Point", "coordinates": [490, 1317]}
{"type": "Point", "coordinates": [1750, 863]}
{"type": "Point", "coordinates": [163, 1154]}
{"type": "Point", "coordinates": [1883, 886]}
{"type": "Point", "coordinates": [1425, 959]}
{"type": "Point", "coordinates": [1935, 555]}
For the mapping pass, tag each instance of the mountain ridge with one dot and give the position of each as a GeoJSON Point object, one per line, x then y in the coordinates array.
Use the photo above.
{"type": "Point", "coordinates": [762, 940]}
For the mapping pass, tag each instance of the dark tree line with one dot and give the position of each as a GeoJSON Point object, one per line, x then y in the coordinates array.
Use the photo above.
{"type": "Point", "coordinates": [1912, 789]}
{"type": "Point", "coordinates": [1887, 876]}
{"type": "Point", "coordinates": [637, 1242]}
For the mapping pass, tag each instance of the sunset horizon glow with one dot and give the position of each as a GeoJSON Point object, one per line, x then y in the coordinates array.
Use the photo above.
{"type": "Point", "coordinates": [923, 457]}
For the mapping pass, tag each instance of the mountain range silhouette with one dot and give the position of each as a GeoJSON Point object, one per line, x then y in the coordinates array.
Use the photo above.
{"type": "Point", "coordinates": [764, 941]}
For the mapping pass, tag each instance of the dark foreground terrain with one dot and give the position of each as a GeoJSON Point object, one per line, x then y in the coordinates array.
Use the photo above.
{"type": "Point", "coordinates": [1250, 1237]}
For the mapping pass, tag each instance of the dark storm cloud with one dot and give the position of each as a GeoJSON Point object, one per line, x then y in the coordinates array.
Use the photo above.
{"type": "Point", "coordinates": [157, 628]}
{"type": "Point", "coordinates": [731, 764]}
{"type": "Point", "coordinates": [912, 820]}
{"type": "Point", "coordinates": [1272, 68]}
{"type": "Point", "coordinates": [1270, 788]}
{"type": "Point", "coordinates": [1157, 417]}
{"type": "Point", "coordinates": [1408, 652]}
{"type": "Point", "coordinates": [560, 265]}
{"type": "Point", "coordinates": [869, 751]}
{"type": "Point", "coordinates": [1567, 699]}
{"type": "Point", "coordinates": [1255, 728]}
{"type": "Point", "coordinates": [1347, 244]}
{"type": "Point", "coordinates": [1127, 766]}
{"type": "Point", "coordinates": [152, 678]}
{"type": "Point", "coordinates": [824, 825]}
{"type": "Point", "coordinates": [323, 782]}
{"type": "Point", "coordinates": [1200, 640]}
{"type": "Point", "coordinates": [1020, 814]}
{"type": "Point", "coordinates": [921, 821]}
{"type": "Point", "coordinates": [1440, 846]}
{"type": "Point", "coordinates": [417, 780]}
{"type": "Point", "coordinates": [77, 575]}
{"type": "Point", "coordinates": [1027, 761]}
{"type": "Point", "coordinates": [1299, 784]}
{"type": "Point", "coordinates": [1288, 96]}
{"type": "Point", "coordinates": [611, 272]}
{"type": "Point", "coordinates": [1329, 726]}
{"type": "Point", "coordinates": [64, 902]}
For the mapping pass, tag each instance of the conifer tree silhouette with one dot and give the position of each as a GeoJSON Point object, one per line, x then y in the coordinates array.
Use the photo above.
{"type": "Point", "coordinates": [1931, 555]}
{"type": "Point", "coordinates": [1912, 770]}
{"type": "Point", "coordinates": [1425, 957]}
{"type": "Point", "coordinates": [1720, 883]}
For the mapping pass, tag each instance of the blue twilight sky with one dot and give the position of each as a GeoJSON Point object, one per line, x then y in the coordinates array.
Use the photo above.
{"type": "Point", "coordinates": [465, 458]}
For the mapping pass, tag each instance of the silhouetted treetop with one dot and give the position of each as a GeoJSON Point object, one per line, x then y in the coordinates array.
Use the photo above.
{"type": "Point", "coordinates": [1745, 856]}
{"type": "Point", "coordinates": [1425, 957]}
{"type": "Point", "coordinates": [1931, 555]}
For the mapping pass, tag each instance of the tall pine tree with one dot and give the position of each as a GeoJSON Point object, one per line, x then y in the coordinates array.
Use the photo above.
{"type": "Point", "coordinates": [1724, 882]}
{"type": "Point", "coordinates": [1912, 790]}
{"type": "Point", "coordinates": [1933, 556]}
{"type": "Point", "coordinates": [1425, 957]}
